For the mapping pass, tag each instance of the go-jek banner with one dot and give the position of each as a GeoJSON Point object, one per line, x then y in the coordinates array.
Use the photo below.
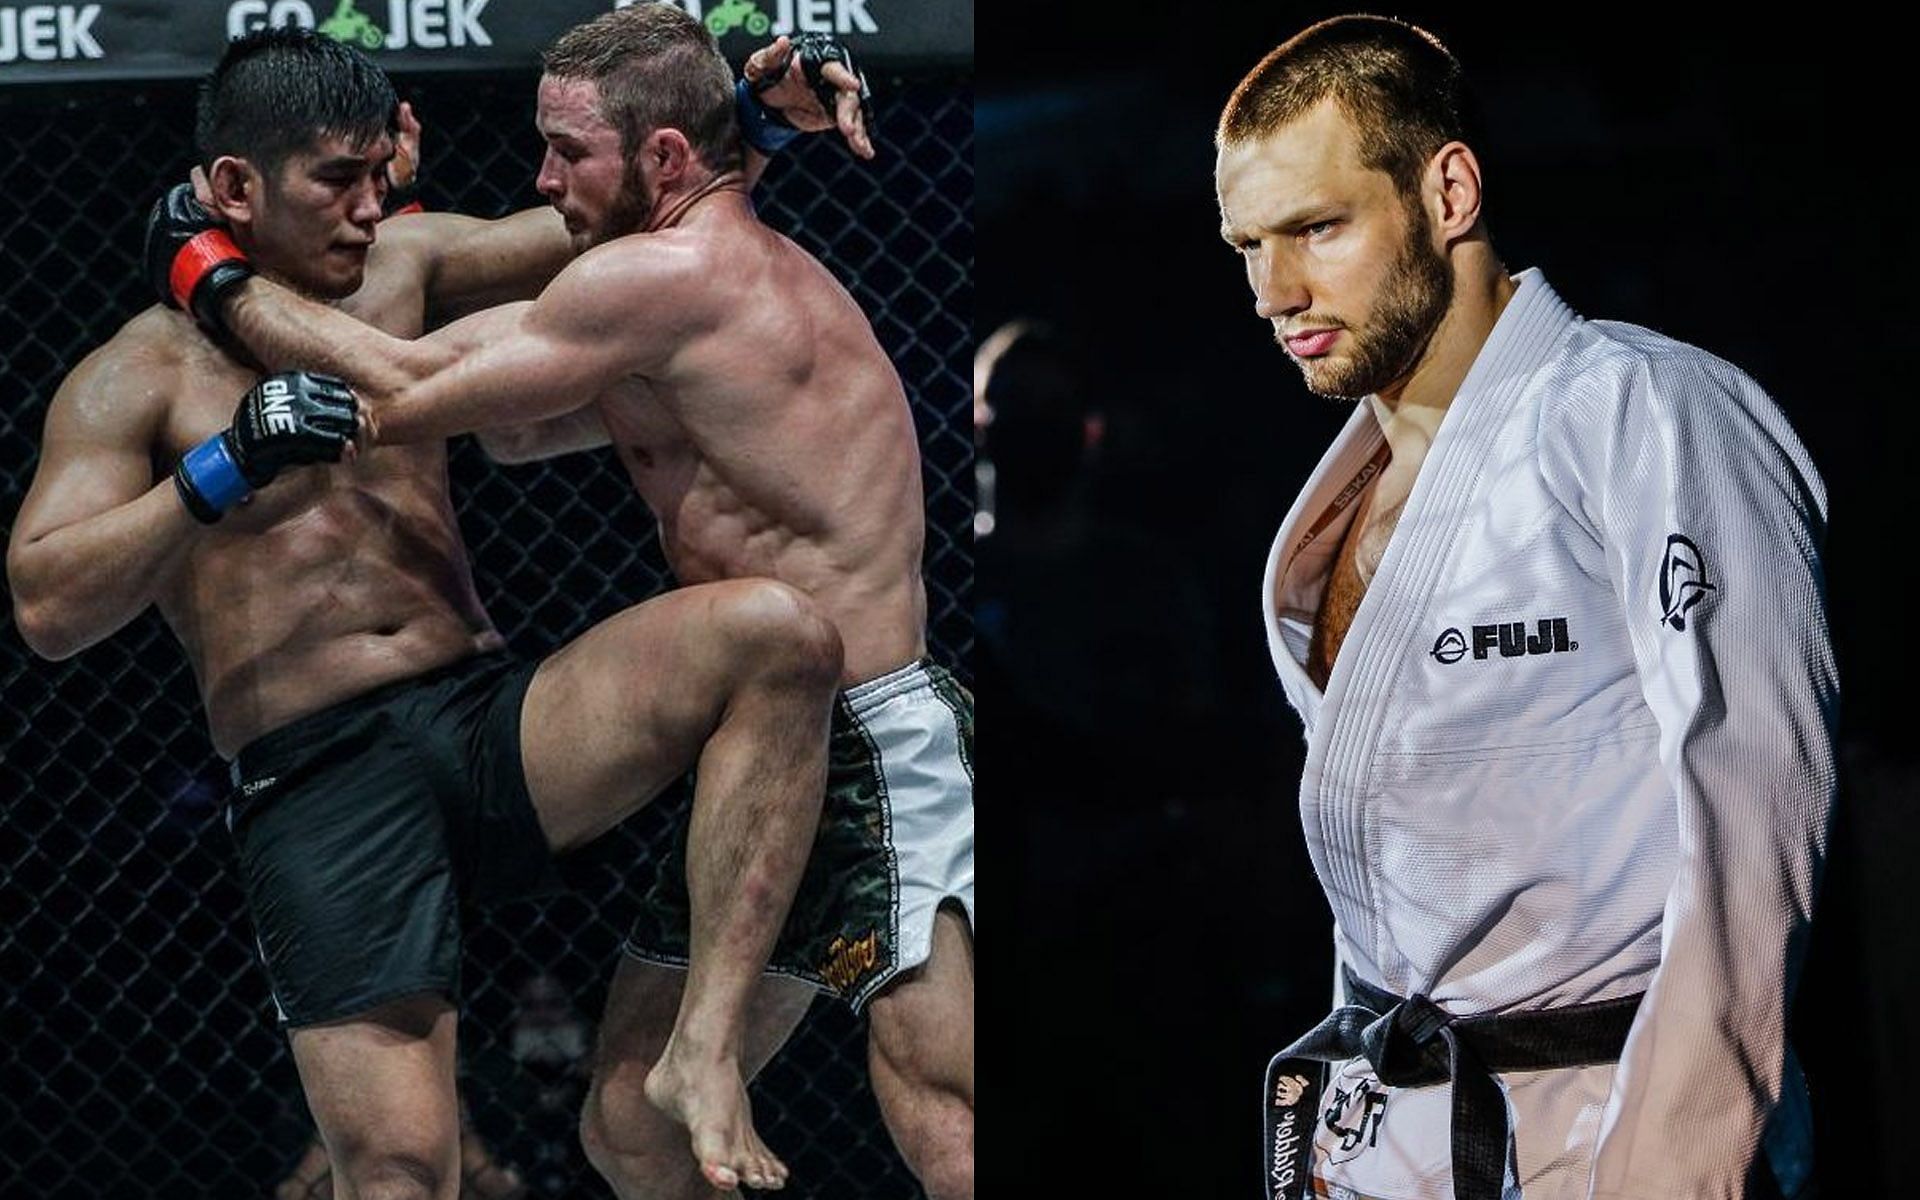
{"type": "Point", "coordinates": [153, 39]}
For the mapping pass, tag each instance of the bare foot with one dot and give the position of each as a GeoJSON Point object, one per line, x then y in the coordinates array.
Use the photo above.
{"type": "Point", "coordinates": [710, 1099]}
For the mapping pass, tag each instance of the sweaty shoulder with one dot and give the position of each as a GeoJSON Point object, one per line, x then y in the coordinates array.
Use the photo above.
{"type": "Point", "coordinates": [664, 279]}
{"type": "Point", "coordinates": [130, 378]}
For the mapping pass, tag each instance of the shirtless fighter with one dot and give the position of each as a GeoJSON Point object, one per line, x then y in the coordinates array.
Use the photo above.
{"type": "Point", "coordinates": [391, 761]}
{"type": "Point", "coordinates": [761, 421]}
{"type": "Point", "coordinates": [1551, 611]}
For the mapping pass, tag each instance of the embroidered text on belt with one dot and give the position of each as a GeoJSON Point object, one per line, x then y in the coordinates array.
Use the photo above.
{"type": "Point", "coordinates": [1414, 1043]}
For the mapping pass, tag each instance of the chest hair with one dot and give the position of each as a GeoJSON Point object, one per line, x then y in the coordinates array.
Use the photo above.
{"type": "Point", "coordinates": [1353, 568]}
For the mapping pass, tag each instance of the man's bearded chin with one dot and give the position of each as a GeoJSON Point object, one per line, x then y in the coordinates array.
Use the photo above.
{"type": "Point", "coordinates": [629, 211]}
{"type": "Point", "coordinates": [1389, 344]}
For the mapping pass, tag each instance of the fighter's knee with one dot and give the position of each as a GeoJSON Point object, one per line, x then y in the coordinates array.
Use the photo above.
{"type": "Point", "coordinates": [600, 1144]}
{"type": "Point", "coordinates": [599, 1137]}
{"type": "Point", "coordinates": [780, 630]}
{"type": "Point", "coordinates": [638, 1172]}
{"type": "Point", "coordinates": [399, 1175]}
{"type": "Point", "coordinates": [619, 1142]}
{"type": "Point", "coordinates": [948, 1175]}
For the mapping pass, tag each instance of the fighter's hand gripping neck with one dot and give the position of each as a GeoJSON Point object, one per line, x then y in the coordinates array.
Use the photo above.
{"type": "Point", "coordinates": [601, 189]}
{"type": "Point", "coordinates": [618, 309]}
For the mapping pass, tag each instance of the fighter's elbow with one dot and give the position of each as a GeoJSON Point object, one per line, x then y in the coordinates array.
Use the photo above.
{"type": "Point", "coordinates": [50, 623]}
{"type": "Point", "coordinates": [417, 363]}
{"type": "Point", "coordinates": [397, 402]}
{"type": "Point", "coordinates": [506, 446]}
{"type": "Point", "coordinates": [385, 379]}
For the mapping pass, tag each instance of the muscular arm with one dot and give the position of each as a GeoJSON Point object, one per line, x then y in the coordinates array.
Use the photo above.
{"type": "Point", "coordinates": [1730, 642]}
{"type": "Point", "coordinates": [97, 538]}
{"type": "Point", "coordinates": [527, 441]}
{"type": "Point", "coordinates": [463, 264]}
{"type": "Point", "coordinates": [459, 264]}
{"type": "Point", "coordinates": [380, 365]}
{"type": "Point", "coordinates": [611, 314]}
{"type": "Point", "coordinates": [474, 264]}
{"type": "Point", "coordinates": [534, 440]}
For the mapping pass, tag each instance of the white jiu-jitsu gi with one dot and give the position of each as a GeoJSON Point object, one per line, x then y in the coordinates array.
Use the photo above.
{"type": "Point", "coordinates": [1577, 744]}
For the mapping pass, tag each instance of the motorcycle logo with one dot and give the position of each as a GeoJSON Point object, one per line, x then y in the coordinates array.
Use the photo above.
{"type": "Point", "coordinates": [730, 15]}
{"type": "Point", "coordinates": [348, 24]}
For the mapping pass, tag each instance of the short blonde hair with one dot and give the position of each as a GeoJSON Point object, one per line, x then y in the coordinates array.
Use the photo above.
{"type": "Point", "coordinates": [656, 68]}
{"type": "Point", "coordinates": [1402, 91]}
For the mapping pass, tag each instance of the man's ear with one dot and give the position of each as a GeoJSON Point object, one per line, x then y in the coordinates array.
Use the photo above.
{"type": "Point", "coordinates": [670, 153]}
{"type": "Point", "coordinates": [234, 185]}
{"type": "Point", "coordinates": [1453, 192]}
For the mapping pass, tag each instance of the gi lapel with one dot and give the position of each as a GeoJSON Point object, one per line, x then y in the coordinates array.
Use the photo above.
{"type": "Point", "coordinates": [1303, 552]}
{"type": "Point", "coordinates": [1391, 619]}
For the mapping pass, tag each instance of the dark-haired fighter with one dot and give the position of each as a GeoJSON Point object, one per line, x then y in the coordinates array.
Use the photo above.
{"type": "Point", "coordinates": [1551, 611]}
{"type": "Point", "coordinates": [762, 422]}
{"type": "Point", "coordinates": [391, 761]}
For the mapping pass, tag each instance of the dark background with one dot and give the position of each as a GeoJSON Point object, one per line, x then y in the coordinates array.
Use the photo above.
{"type": "Point", "coordinates": [138, 1051]}
{"type": "Point", "coordinates": [1746, 188]}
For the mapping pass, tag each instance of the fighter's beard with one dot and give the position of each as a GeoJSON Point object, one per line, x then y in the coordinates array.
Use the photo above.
{"type": "Point", "coordinates": [630, 210]}
{"type": "Point", "coordinates": [638, 210]}
{"type": "Point", "coordinates": [1387, 347]}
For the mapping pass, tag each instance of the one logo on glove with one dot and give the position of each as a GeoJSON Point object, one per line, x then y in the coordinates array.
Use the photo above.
{"type": "Point", "coordinates": [1683, 581]}
{"type": "Point", "coordinates": [277, 413]}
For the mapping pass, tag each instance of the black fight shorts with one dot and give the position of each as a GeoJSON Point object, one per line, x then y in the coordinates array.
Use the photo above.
{"type": "Point", "coordinates": [363, 830]}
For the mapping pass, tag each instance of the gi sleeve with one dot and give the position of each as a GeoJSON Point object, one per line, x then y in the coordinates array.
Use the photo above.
{"type": "Point", "coordinates": [1712, 518]}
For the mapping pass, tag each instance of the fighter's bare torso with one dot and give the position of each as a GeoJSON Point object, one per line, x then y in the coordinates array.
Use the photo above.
{"type": "Point", "coordinates": [778, 442]}
{"type": "Point", "coordinates": [333, 579]}
{"type": "Point", "coordinates": [1361, 550]}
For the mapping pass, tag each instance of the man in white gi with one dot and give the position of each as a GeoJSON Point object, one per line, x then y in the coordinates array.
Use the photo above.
{"type": "Point", "coordinates": [1551, 611]}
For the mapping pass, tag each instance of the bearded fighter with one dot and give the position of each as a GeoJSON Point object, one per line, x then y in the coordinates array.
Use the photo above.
{"type": "Point", "coordinates": [1551, 609]}
{"type": "Point", "coordinates": [756, 414]}
{"type": "Point", "coordinates": [392, 763]}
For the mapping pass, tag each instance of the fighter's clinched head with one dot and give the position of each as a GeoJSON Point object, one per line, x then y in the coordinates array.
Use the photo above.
{"type": "Point", "coordinates": [278, 91]}
{"type": "Point", "coordinates": [655, 68]}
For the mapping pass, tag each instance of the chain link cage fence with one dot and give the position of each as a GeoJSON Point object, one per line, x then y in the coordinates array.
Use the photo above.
{"type": "Point", "coordinates": [141, 1057]}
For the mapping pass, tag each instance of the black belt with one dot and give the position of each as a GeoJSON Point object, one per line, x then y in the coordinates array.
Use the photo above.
{"type": "Point", "coordinates": [1414, 1043]}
